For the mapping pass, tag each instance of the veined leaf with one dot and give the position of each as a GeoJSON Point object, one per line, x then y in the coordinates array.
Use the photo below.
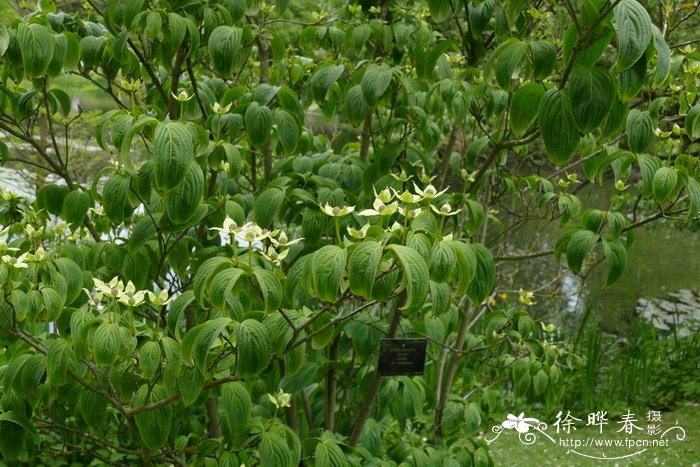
{"type": "Point", "coordinates": [37, 46]}
{"type": "Point", "coordinates": [375, 82]}
{"type": "Point", "coordinates": [362, 267]}
{"type": "Point", "coordinates": [544, 57]}
{"type": "Point", "coordinates": [149, 359]}
{"type": "Point", "coordinates": [440, 10]}
{"type": "Point", "coordinates": [236, 407]}
{"type": "Point", "coordinates": [693, 188]}
{"type": "Point", "coordinates": [327, 268]}
{"type": "Point", "coordinates": [507, 63]}
{"type": "Point", "coordinates": [415, 274]}
{"type": "Point", "coordinates": [106, 343]}
{"type": "Point", "coordinates": [199, 339]}
{"type": "Point", "coordinates": [633, 32]}
{"type": "Point", "coordinates": [115, 197]}
{"type": "Point", "coordinates": [485, 274]}
{"type": "Point", "coordinates": [274, 450]}
{"type": "Point", "coordinates": [524, 100]}
{"type": "Point", "coordinates": [75, 207]}
{"type": "Point", "coordinates": [557, 126]}
{"type": "Point", "coordinates": [224, 43]}
{"type": "Point", "coordinates": [270, 287]}
{"type": "Point", "coordinates": [664, 183]}
{"type": "Point", "coordinates": [258, 123]}
{"type": "Point", "coordinates": [323, 79]}
{"type": "Point", "coordinates": [58, 358]}
{"type": "Point", "coordinates": [648, 165]}
{"type": "Point", "coordinates": [266, 206]}
{"type": "Point", "coordinates": [154, 425]}
{"type": "Point", "coordinates": [592, 96]}
{"type": "Point", "coordinates": [580, 244]}
{"type": "Point", "coordinates": [616, 257]}
{"type": "Point", "coordinates": [190, 384]}
{"type": "Point", "coordinates": [287, 130]}
{"type": "Point", "coordinates": [182, 202]}
{"type": "Point", "coordinates": [640, 130]}
{"type": "Point", "coordinates": [692, 122]}
{"type": "Point", "coordinates": [253, 346]}
{"type": "Point", "coordinates": [663, 57]}
{"type": "Point", "coordinates": [356, 107]}
{"type": "Point", "coordinates": [173, 152]}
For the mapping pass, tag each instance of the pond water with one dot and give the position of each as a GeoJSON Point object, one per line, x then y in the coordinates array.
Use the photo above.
{"type": "Point", "coordinates": [663, 260]}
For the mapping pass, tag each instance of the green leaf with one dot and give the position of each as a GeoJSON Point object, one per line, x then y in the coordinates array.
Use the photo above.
{"type": "Point", "coordinates": [183, 201]}
{"type": "Point", "coordinates": [425, 68]}
{"type": "Point", "coordinates": [106, 343]}
{"type": "Point", "coordinates": [266, 206]}
{"type": "Point", "coordinates": [205, 274]}
{"type": "Point", "coordinates": [58, 358]}
{"type": "Point", "coordinates": [22, 421]}
{"type": "Point", "coordinates": [270, 287]}
{"type": "Point", "coordinates": [362, 268]}
{"type": "Point", "coordinates": [329, 454]}
{"type": "Point", "coordinates": [173, 152]}
{"type": "Point", "coordinates": [415, 274]}
{"type": "Point", "coordinates": [287, 130]}
{"type": "Point", "coordinates": [648, 165]}
{"type": "Point", "coordinates": [580, 244]}
{"type": "Point", "coordinates": [375, 82]}
{"type": "Point", "coordinates": [73, 275]}
{"type": "Point", "coordinates": [616, 257]}
{"type": "Point", "coordinates": [440, 10]}
{"type": "Point", "coordinates": [274, 450]}
{"type": "Point", "coordinates": [632, 79]}
{"type": "Point", "coordinates": [472, 417]}
{"type": "Point", "coordinates": [544, 57]}
{"type": "Point", "coordinates": [143, 231]}
{"type": "Point", "coordinates": [115, 197]}
{"type": "Point", "coordinates": [557, 126]}
{"type": "Point", "coordinates": [154, 425]}
{"type": "Point", "coordinates": [664, 183]}
{"type": "Point", "coordinates": [149, 359]}
{"type": "Point", "coordinates": [190, 384]}
{"type": "Point", "coordinates": [693, 188]}
{"type": "Point", "coordinates": [254, 348]}
{"type": "Point", "coordinates": [258, 123]}
{"type": "Point", "coordinates": [53, 303]}
{"type": "Point", "coordinates": [93, 408]}
{"type": "Point", "coordinates": [485, 274]}
{"type": "Point", "coordinates": [75, 207]}
{"type": "Point", "coordinates": [224, 43]}
{"type": "Point", "coordinates": [692, 122]}
{"type": "Point", "coordinates": [524, 100]}
{"type": "Point", "coordinates": [37, 46]}
{"type": "Point", "coordinates": [540, 382]}
{"type": "Point", "coordinates": [199, 339]}
{"type": "Point", "coordinates": [640, 130]}
{"type": "Point", "coordinates": [236, 407]}
{"type": "Point", "coordinates": [507, 63]}
{"type": "Point", "coordinates": [592, 92]}
{"type": "Point", "coordinates": [442, 265]}
{"type": "Point", "coordinates": [356, 107]}
{"type": "Point", "coordinates": [663, 57]}
{"type": "Point", "coordinates": [4, 39]}
{"type": "Point", "coordinates": [633, 32]}
{"type": "Point", "coordinates": [327, 270]}
{"type": "Point", "coordinates": [466, 265]}
{"type": "Point", "coordinates": [323, 79]}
